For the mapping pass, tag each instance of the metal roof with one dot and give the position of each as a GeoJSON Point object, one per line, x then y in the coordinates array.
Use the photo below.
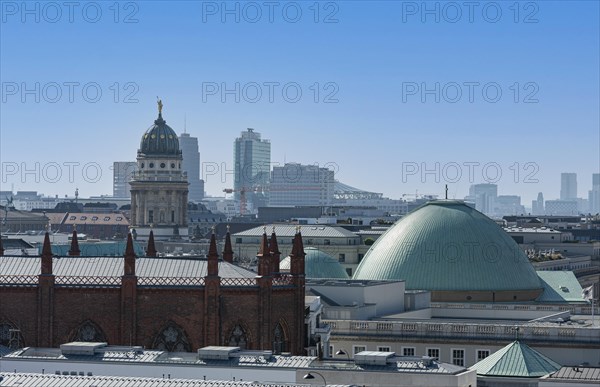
{"type": "Point", "coordinates": [48, 380]}
{"type": "Point", "coordinates": [318, 264]}
{"type": "Point", "coordinates": [517, 360]}
{"type": "Point", "coordinates": [577, 373]}
{"type": "Point", "coordinates": [308, 231]}
{"type": "Point", "coordinates": [560, 286]}
{"type": "Point", "coordinates": [447, 245]}
{"type": "Point", "coordinates": [176, 267]}
{"type": "Point", "coordinates": [244, 359]}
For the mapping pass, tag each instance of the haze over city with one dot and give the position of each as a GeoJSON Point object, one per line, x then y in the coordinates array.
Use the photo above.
{"type": "Point", "coordinates": [385, 87]}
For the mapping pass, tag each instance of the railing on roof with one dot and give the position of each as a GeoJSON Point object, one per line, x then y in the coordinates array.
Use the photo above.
{"type": "Point", "coordinates": [170, 281]}
{"type": "Point", "coordinates": [283, 280]}
{"type": "Point", "coordinates": [77, 281]}
{"type": "Point", "coordinates": [574, 309]}
{"type": "Point", "coordinates": [112, 281]}
{"type": "Point", "coordinates": [18, 280]}
{"type": "Point", "coordinates": [238, 282]}
{"type": "Point", "coordinates": [461, 330]}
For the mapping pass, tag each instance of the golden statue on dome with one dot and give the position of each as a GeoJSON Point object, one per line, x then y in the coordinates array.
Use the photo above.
{"type": "Point", "coordinates": [160, 105]}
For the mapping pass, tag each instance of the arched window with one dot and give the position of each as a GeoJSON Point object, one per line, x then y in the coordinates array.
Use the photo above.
{"type": "Point", "coordinates": [238, 337]}
{"type": "Point", "coordinates": [279, 339]}
{"type": "Point", "coordinates": [90, 332]}
{"type": "Point", "coordinates": [10, 336]}
{"type": "Point", "coordinates": [172, 338]}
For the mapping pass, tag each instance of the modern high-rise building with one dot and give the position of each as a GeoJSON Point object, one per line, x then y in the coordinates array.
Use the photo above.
{"type": "Point", "coordinates": [191, 165]}
{"type": "Point", "coordinates": [122, 174]}
{"type": "Point", "coordinates": [562, 207]}
{"type": "Point", "coordinates": [594, 194]}
{"type": "Point", "coordinates": [252, 167]}
{"type": "Point", "coordinates": [301, 185]}
{"type": "Point", "coordinates": [508, 205]}
{"type": "Point", "coordinates": [568, 186]}
{"type": "Point", "coordinates": [484, 196]}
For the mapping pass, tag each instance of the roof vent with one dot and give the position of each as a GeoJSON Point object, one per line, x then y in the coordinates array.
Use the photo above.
{"type": "Point", "coordinates": [81, 348]}
{"type": "Point", "coordinates": [217, 353]}
{"type": "Point", "coordinates": [373, 357]}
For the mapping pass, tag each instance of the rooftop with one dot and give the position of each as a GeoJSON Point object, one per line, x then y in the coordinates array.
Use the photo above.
{"type": "Point", "coordinates": [108, 270]}
{"type": "Point", "coordinates": [289, 231]}
{"type": "Point", "coordinates": [576, 373]}
{"type": "Point", "coordinates": [48, 380]}
{"type": "Point", "coordinates": [232, 357]}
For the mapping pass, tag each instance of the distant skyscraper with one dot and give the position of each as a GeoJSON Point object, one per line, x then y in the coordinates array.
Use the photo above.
{"type": "Point", "coordinates": [191, 165]}
{"type": "Point", "coordinates": [252, 166]}
{"type": "Point", "coordinates": [484, 196]}
{"type": "Point", "coordinates": [122, 173]}
{"type": "Point", "coordinates": [561, 207]}
{"type": "Point", "coordinates": [508, 205]}
{"type": "Point", "coordinates": [568, 186]}
{"type": "Point", "coordinates": [301, 185]}
{"type": "Point", "coordinates": [594, 194]}
{"type": "Point", "coordinates": [537, 207]}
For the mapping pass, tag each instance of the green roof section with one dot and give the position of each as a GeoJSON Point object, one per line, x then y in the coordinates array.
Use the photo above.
{"type": "Point", "coordinates": [318, 264]}
{"type": "Point", "coordinates": [447, 245]}
{"type": "Point", "coordinates": [560, 286]}
{"type": "Point", "coordinates": [516, 360]}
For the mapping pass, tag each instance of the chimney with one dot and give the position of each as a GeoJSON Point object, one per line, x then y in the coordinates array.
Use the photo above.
{"type": "Point", "coordinates": [228, 250]}
{"type": "Point", "coordinates": [151, 248]}
{"type": "Point", "coordinates": [276, 254]}
{"type": "Point", "coordinates": [264, 256]}
{"type": "Point", "coordinates": [47, 255]}
{"type": "Point", "coordinates": [74, 250]}
{"type": "Point", "coordinates": [129, 256]}
{"type": "Point", "coordinates": [213, 257]}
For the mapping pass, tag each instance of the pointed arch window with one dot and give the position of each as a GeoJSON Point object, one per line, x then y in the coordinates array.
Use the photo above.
{"type": "Point", "coordinates": [10, 336]}
{"type": "Point", "coordinates": [279, 339]}
{"type": "Point", "coordinates": [238, 337]}
{"type": "Point", "coordinates": [172, 338]}
{"type": "Point", "coordinates": [89, 332]}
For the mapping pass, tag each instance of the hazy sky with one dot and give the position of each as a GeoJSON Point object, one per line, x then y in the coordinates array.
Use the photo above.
{"type": "Point", "coordinates": [380, 90]}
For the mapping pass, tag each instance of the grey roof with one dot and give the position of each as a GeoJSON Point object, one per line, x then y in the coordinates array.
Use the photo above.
{"type": "Point", "coordinates": [48, 380]}
{"type": "Point", "coordinates": [577, 373]}
{"type": "Point", "coordinates": [176, 267]}
{"type": "Point", "coordinates": [4, 350]}
{"type": "Point", "coordinates": [308, 231]}
{"type": "Point", "coordinates": [516, 360]}
{"type": "Point", "coordinates": [245, 359]}
{"type": "Point", "coordinates": [15, 243]}
{"type": "Point", "coordinates": [399, 364]}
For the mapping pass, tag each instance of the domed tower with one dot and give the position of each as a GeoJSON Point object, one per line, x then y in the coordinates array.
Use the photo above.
{"type": "Point", "coordinates": [159, 189]}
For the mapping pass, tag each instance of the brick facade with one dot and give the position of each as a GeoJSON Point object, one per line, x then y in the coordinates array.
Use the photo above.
{"type": "Point", "coordinates": [265, 312]}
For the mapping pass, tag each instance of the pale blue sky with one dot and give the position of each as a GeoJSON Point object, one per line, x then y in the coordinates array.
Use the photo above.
{"type": "Point", "coordinates": [364, 55]}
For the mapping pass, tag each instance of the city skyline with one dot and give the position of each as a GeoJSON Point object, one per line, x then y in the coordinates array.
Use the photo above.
{"type": "Point", "coordinates": [367, 65]}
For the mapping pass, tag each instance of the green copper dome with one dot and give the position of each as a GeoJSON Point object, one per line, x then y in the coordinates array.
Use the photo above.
{"type": "Point", "coordinates": [516, 360]}
{"type": "Point", "coordinates": [448, 246]}
{"type": "Point", "coordinates": [318, 264]}
{"type": "Point", "coordinates": [160, 140]}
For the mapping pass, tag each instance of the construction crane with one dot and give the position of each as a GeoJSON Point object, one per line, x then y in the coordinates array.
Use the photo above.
{"type": "Point", "coordinates": [242, 191]}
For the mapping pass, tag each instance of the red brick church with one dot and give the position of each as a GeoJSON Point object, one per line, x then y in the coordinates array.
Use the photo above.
{"type": "Point", "coordinates": [173, 304]}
